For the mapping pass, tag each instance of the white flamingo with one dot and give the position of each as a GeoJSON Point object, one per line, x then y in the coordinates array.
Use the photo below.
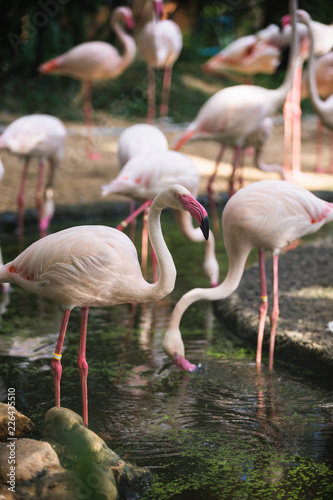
{"type": "Point", "coordinates": [97, 266]}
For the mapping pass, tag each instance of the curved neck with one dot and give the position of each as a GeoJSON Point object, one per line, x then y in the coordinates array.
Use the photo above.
{"type": "Point", "coordinates": [226, 288]}
{"type": "Point", "coordinates": [167, 270]}
{"type": "Point", "coordinates": [127, 42]}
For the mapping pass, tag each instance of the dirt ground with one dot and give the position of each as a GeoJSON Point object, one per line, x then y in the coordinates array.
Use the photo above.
{"type": "Point", "coordinates": [306, 292]}
{"type": "Point", "coordinates": [79, 180]}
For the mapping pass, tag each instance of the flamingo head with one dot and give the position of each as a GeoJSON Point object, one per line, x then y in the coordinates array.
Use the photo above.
{"type": "Point", "coordinates": [197, 211]}
{"type": "Point", "coordinates": [286, 20]}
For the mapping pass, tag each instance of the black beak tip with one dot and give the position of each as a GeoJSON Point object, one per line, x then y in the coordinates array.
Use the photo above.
{"type": "Point", "coordinates": [205, 227]}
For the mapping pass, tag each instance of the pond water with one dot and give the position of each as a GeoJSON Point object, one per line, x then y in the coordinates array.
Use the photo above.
{"type": "Point", "coordinates": [224, 433]}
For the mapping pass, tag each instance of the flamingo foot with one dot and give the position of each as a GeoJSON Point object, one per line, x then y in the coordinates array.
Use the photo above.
{"type": "Point", "coordinates": [183, 365]}
{"type": "Point", "coordinates": [91, 155]}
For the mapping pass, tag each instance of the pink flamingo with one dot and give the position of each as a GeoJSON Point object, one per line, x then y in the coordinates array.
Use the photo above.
{"type": "Point", "coordinates": [249, 55]}
{"type": "Point", "coordinates": [97, 266]}
{"type": "Point", "coordinates": [159, 44]}
{"type": "Point", "coordinates": [270, 215]}
{"type": "Point", "coordinates": [94, 61]}
{"type": "Point", "coordinates": [323, 43]}
{"type": "Point", "coordinates": [42, 137]}
{"type": "Point", "coordinates": [144, 176]}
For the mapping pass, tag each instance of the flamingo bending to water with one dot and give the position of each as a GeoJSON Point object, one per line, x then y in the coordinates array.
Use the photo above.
{"type": "Point", "coordinates": [42, 137]}
{"type": "Point", "coordinates": [159, 44]}
{"type": "Point", "coordinates": [94, 61]}
{"type": "Point", "coordinates": [144, 176]}
{"type": "Point", "coordinates": [97, 266]}
{"type": "Point", "coordinates": [267, 214]}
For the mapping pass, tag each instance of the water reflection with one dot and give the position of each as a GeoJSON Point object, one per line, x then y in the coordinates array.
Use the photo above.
{"type": "Point", "coordinates": [225, 427]}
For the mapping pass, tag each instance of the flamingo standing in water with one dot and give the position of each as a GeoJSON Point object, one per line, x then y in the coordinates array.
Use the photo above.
{"type": "Point", "coordinates": [94, 61]}
{"type": "Point", "coordinates": [233, 113]}
{"type": "Point", "coordinates": [267, 214]}
{"type": "Point", "coordinates": [144, 176]}
{"type": "Point", "coordinates": [97, 266]}
{"type": "Point", "coordinates": [42, 137]}
{"type": "Point", "coordinates": [159, 44]}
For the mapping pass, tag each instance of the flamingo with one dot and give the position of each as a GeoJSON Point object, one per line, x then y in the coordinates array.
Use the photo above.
{"type": "Point", "coordinates": [323, 43]}
{"type": "Point", "coordinates": [256, 141]}
{"type": "Point", "coordinates": [233, 113]}
{"type": "Point", "coordinates": [159, 43]}
{"type": "Point", "coordinates": [42, 137]}
{"type": "Point", "coordinates": [97, 266]}
{"type": "Point", "coordinates": [268, 214]}
{"type": "Point", "coordinates": [249, 55]}
{"type": "Point", "coordinates": [144, 176]}
{"type": "Point", "coordinates": [94, 61]}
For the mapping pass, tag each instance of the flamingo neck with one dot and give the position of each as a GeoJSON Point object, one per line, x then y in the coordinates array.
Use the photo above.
{"type": "Point", "coordinates": [128, 44]}
{"type": "Point", "coordinates": [167, 270]}
{"type": "Point", "coordinates": [226, 288]}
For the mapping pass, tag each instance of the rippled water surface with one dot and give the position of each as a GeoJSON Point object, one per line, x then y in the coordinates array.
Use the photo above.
{"type": "Point", "coordinates": [226, 432]}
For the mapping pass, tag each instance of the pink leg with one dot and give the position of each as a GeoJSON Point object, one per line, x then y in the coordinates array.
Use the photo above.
{"type": "Point", "coordinates": [144, 246]}
{"type": "Point", "coordinates": [263, 305]}
{"type": "Point", "coordinates": [133, 215]}
{"type": "Point", "coordinates": [210, 191]}
{"type": "Point", "coordinates": [275, 310]}
{"type": "Point", "coordinates": [82, 363]}
{"type": "Point", "coordinates": [330, 145]}
{"type": "Point", "coordinates": [20, 197]}
{"type": "Point", "coordinates": [151, 95]}
{"type": "Point", "coordinates": [166, 92]}
{"type": "Point", "coordinates": [234, 168]}
{"type": "Point", "coordinates": [39, 194]}
{"type": "Point", "coordinates": [133, 223]}
{"type": "Point", "coordinates": [88, 116]}
{"type": "Point", "coordinates": [56, 363]}
{"type": "Point", "coordinates": [319, 147]}
{"type": "Point", "coordinates": [297, 112]}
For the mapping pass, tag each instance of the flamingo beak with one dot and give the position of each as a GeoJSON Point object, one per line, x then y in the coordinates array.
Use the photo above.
{"type": "Point", "coordinates": [198, 213]}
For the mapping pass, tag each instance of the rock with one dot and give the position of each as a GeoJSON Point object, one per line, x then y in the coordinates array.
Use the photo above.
{"type": "Point", "coordinates": [23, 424]}
{"type": "Point", "coordinates": [94, 460]}
{"type": "Point", "coordinates": [31, 459]}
